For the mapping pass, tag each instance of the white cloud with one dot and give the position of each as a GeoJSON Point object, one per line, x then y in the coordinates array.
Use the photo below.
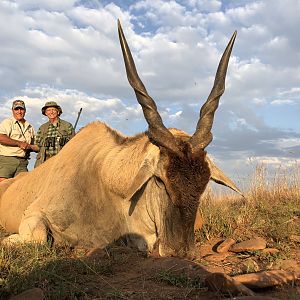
{"type": "Point", "coordinates": [162, 12]}
{"type": "Point", "coordinates": [103, 19]}
{"type": "Point", "coordinates": [287, 143]}
{"type": "Point", "coordinates": [175, 116]}
{"type": "Point", "coordinates": [276, 162]}
{"type": "Point", "coordinates": [291, 91]}
{"type": "Point", "coordinates": [259, 101]}
{"type": "Point", "coordinates": [69, 51]}
{"type": "Point", "coordinates": [282, 102]}
{"type": "Point", "coordinates": [45, 4]}
{"type": "Point", "coordinates": [205, 5]}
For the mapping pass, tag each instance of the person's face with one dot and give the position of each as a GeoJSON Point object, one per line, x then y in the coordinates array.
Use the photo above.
{"type": "Point", "coordinates": [51, 113]}
{"type": "Point", "coordinates": [19, 113]}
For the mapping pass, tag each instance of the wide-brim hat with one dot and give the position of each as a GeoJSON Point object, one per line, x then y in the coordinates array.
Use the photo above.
{"type": "Point", "coordinates": [51, 104]}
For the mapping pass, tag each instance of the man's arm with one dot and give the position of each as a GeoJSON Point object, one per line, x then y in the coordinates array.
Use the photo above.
{"type": "Point", "coordinates": [7, 141]}
{"type": "Point", "coordinates": [34, 148]}
{"type": "Point", "coordinates": [35, 143]}
{"type": "Point", "coordinates": [71, 131]}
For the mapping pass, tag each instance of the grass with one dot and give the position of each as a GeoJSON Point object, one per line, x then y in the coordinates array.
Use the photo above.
{"type": "Point", "coordinates": [61, 272]}
{"type": "Point", "coordinates": [55, 270]}
{"type": "Point", "coordinates": [180, 280]}
{"type": "Point", "coordinates": [271, 209]}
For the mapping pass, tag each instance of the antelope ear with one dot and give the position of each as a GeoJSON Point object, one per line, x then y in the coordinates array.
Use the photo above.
{"type": "Point", "coordinates": [145, 172]}
{"type": "Point", "coordinates": [219, 177]}
{"type": "Point", "coordinates": [143, 175]}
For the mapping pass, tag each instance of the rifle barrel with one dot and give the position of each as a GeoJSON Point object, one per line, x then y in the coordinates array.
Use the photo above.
{"type": "Point", "coordinates": [78, 116]}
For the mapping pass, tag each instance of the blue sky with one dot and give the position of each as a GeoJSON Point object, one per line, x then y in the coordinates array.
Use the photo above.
{"type": "Point", "coordinates": [68, 51]}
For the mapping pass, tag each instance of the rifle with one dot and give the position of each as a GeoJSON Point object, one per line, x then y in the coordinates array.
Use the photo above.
{"type": "Point", "coordinates": [79, 113]}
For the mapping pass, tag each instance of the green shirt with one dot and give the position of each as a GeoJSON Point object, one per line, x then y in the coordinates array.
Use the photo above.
{"type": "Point", "coordinates": [55, 137]}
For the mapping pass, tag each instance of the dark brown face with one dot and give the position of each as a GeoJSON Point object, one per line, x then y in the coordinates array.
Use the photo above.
{"type": "Point", "coordinates": [185, 179]}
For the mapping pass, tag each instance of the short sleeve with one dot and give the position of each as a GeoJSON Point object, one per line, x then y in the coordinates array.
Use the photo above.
{"type": "Point", "coordinates": [5, 127]}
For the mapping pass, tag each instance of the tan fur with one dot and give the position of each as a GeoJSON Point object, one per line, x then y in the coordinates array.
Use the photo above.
{"type": "Point", "coordinates": [71, 190]}
{"type": "Point", "coordinates": [102, 186]}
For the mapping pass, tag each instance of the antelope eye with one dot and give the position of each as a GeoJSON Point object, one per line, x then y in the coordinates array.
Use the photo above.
{"type": "Point", "coordinates": [159, 182]}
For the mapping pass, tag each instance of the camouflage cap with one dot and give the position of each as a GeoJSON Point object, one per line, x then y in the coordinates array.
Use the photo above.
{"type": "Point", "coordinates": [18, 103]}
{"type": "Point", "coordinates": [51, 104]}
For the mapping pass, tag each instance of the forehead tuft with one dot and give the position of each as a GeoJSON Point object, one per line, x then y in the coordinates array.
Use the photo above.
{"type": "Point", "coordinates": [186, 176]}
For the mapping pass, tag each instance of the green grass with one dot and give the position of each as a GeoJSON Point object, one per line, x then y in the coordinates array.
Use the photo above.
{"type": "Point", "coordinates": [58, 271]}
{"type": "Point", "coordinates": [180, 280]}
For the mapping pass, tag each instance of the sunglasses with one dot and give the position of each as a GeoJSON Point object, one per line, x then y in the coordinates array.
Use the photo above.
{"type": "Point", "coordinates": [19, 108]}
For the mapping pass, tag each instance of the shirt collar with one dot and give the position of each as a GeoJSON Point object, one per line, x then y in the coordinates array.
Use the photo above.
{"type": "Point", "coordinates": [26, 124]}
{"type": "Point", "coordinates": [58, 122]}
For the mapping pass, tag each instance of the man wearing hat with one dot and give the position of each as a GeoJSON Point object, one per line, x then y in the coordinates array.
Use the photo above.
{"type": "Point", "coordinates": [16, 142]}
{"type": "Point", "coordinates": [54, 134]}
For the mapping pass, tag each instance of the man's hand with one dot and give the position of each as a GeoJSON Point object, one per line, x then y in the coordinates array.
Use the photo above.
{"type": "Point", "coordinates": [23, 145]}
{"type": "Point", "coordinates": [34, 148]}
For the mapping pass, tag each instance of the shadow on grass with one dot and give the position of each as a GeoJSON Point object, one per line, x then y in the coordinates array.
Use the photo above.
{"type": "Point", "coordinates": [110, 273]}
{"type": "Point", "coordinates": [61, 272]}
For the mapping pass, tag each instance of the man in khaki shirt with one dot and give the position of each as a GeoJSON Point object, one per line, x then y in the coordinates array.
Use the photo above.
{"type": "Point", "coordinates": [16, 142]}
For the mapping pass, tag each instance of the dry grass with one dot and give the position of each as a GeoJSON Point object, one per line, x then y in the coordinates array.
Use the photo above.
{"type": "Point", "coordinates": [271, 209]}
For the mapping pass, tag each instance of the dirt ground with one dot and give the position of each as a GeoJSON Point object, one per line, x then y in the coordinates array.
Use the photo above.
{"type": "Point", "coordinates": [142, 277]}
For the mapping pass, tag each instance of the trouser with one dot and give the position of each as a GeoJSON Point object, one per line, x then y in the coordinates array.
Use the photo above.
{"type": "Point", "coordinates": [11, 166]}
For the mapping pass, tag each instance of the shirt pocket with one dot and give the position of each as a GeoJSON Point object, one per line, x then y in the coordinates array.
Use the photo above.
{"type": "Point", "coordinates": [16, 133]}
{"type": "Point", "coordinates": [29, 136]}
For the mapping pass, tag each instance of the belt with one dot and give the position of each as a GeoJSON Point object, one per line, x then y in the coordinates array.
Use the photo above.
{"type": "Point", "coordinates": [18, 157]}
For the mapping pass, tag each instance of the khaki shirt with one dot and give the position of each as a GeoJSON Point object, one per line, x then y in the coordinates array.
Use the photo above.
{"type": "Point", "coordinates": [11, 128]}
